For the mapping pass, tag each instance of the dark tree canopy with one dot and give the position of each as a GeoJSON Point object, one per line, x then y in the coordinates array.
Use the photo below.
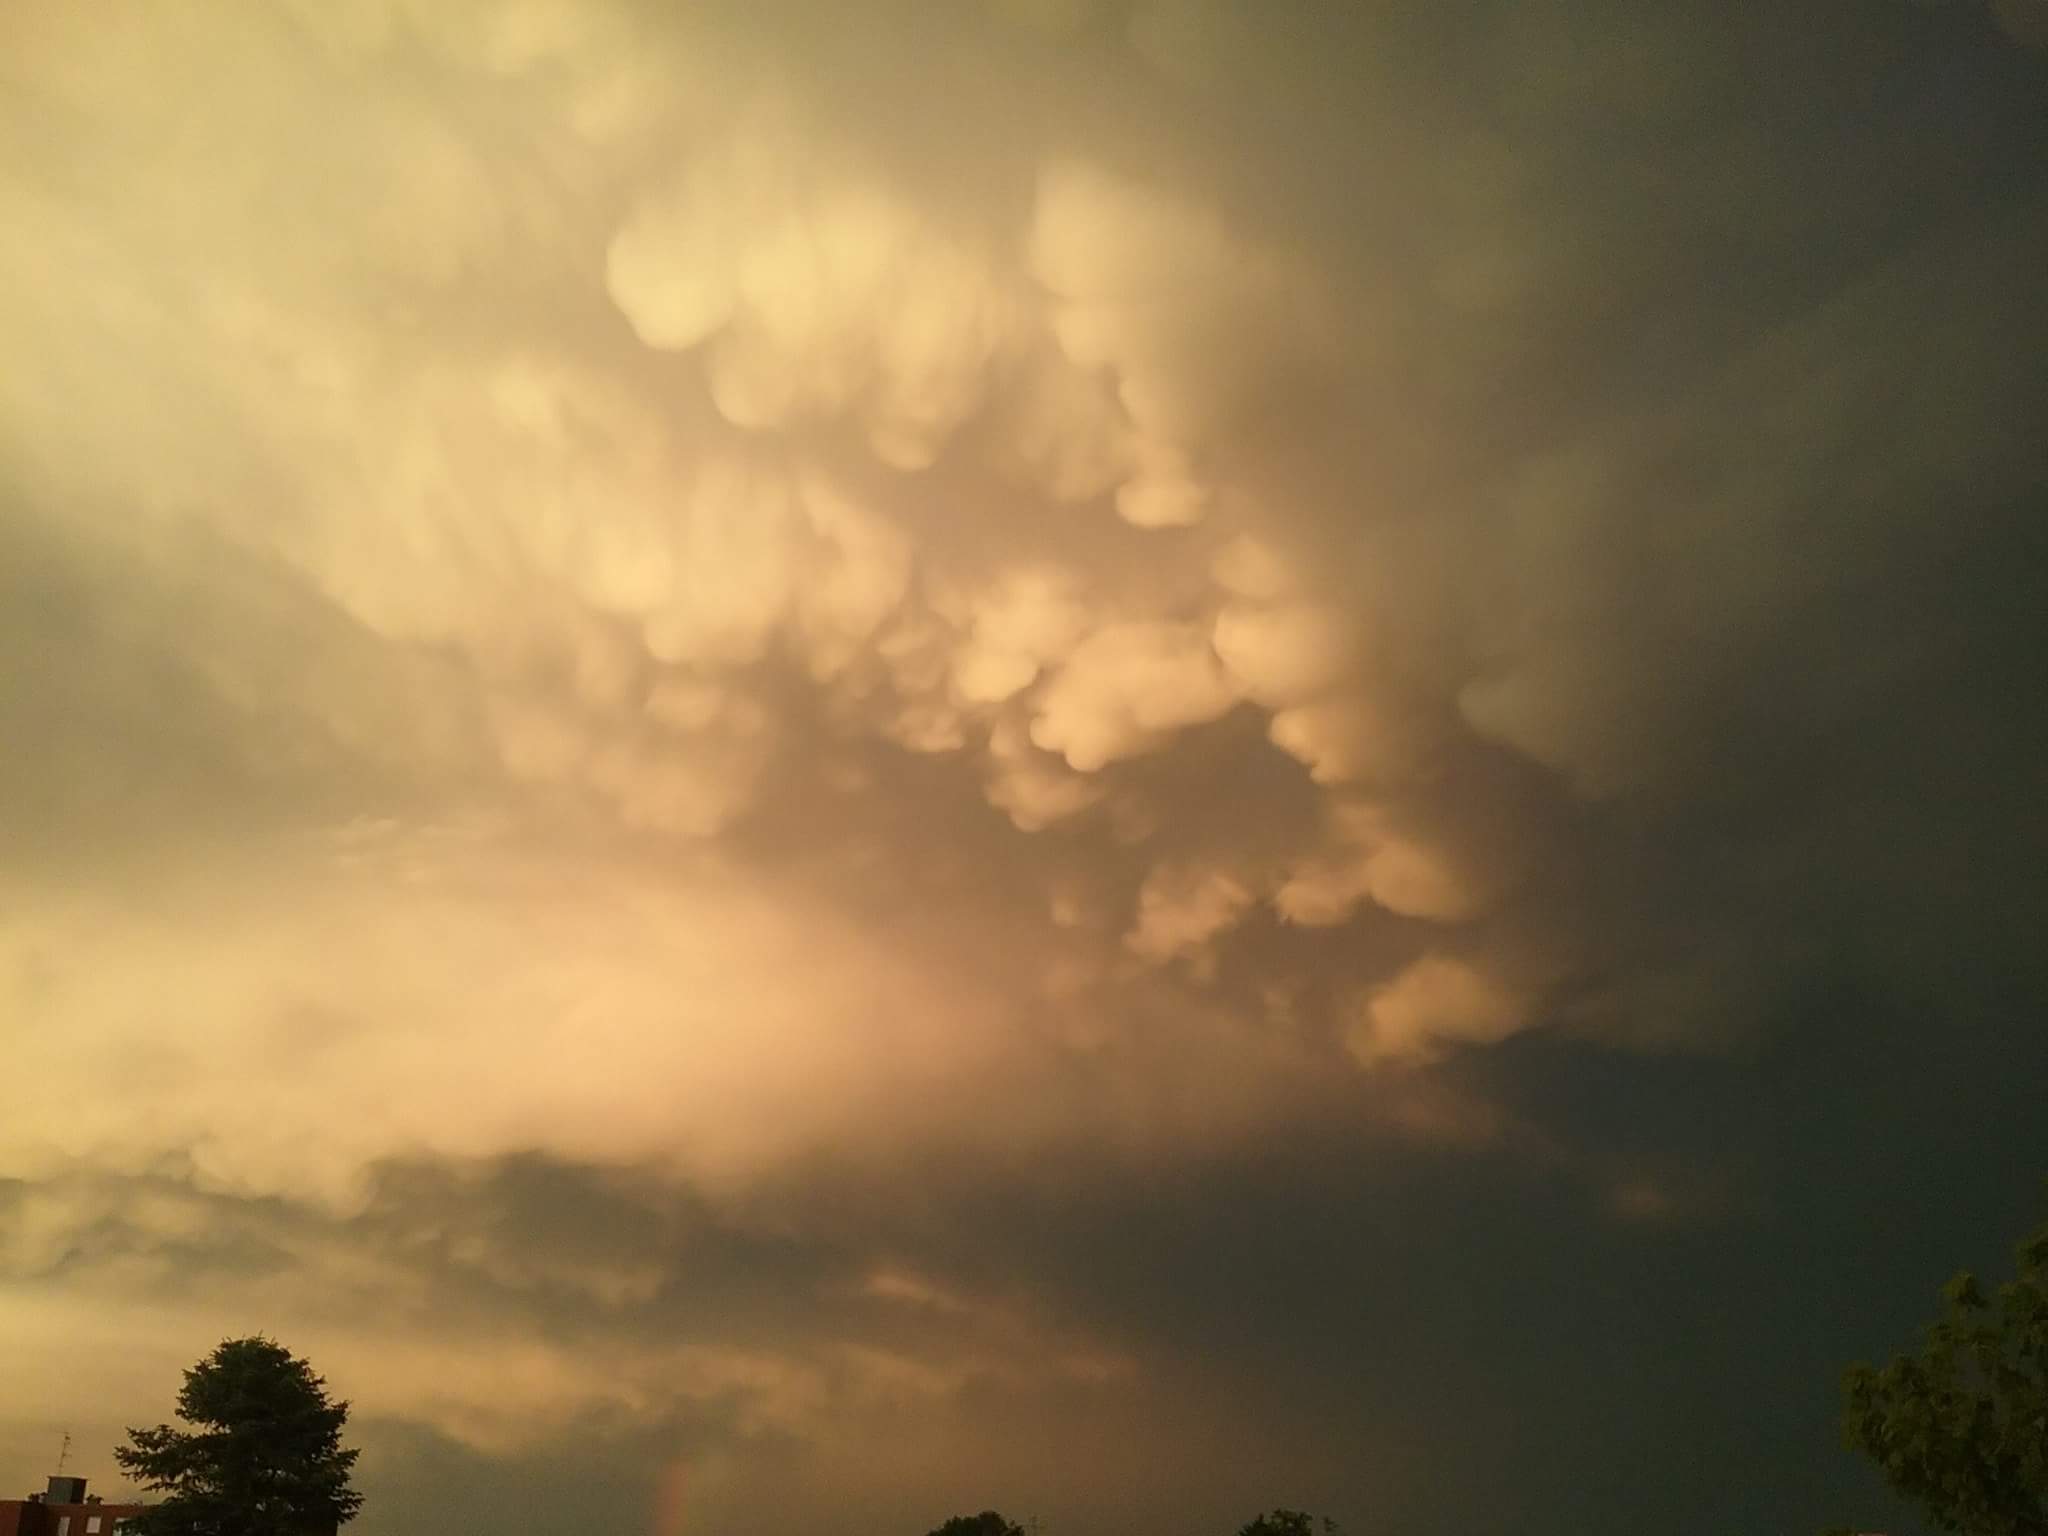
{"type": "Point", "coordinates": [263, 1457]}
{"type": "Point", "coordinates": [987, 1523]}
{"type": "Point", "coordinates": [1961, 1426]}
{"type": "Point", "coordinates": [1287, 1522]}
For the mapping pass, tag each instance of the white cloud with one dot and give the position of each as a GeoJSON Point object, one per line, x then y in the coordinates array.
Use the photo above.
{"type": "Point", "coordinates": [1435, 1003]}
{"type": "Point", "coordinates": [815, 290]}
{"type": "Point", "coordinates": [1287, 653]}
{"type": "Point", "coordinates": [1030, 617]}
{"type": "Point", "coordinates": [1192, 320]}
{"type": "Point", "coordinates": [1181, 908]}
{"type": "Point", "coordinates": [1035, 790]}
{"type": "Point", "coordinates": [1126, 689]}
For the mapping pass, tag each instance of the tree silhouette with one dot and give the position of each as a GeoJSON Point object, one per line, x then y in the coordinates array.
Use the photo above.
{"type": "Point", "coordinates": [987, 1523]}
{"type": "Point", "coordinates": [1287, 1522]}
{"type": "Point", "coordinates": [264, 1457]}
{"type": "Point", "coordinates": [1961, 1426]}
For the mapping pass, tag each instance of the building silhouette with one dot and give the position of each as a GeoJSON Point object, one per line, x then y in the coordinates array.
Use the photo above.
{"type": "Point", "coordinates": [64, 1509]}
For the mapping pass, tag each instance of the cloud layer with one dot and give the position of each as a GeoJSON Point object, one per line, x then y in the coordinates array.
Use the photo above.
{"type": "Point", "coordinates": [698, 595]}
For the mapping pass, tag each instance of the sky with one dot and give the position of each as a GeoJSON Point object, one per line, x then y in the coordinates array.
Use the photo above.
{"type": "Point", "coordinates": [798, 766]}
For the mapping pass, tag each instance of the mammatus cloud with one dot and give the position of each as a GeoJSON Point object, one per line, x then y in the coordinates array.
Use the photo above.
{"type": "Point", "coordinates": [720, 592]}
{"type": "Point", "coordinates": [651, 582]}
{"type": "Point", "coordinates": [1434, 1002]}
{"type": "Point", "coordinates": [683, 455]}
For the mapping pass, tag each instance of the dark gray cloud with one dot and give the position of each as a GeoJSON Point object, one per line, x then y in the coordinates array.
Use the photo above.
{"type": "Point", "coordinates": [1127, 758]}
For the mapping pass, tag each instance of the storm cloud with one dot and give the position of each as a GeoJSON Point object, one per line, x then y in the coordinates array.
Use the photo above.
{"type": "Point", "coordinates": [841, 749]}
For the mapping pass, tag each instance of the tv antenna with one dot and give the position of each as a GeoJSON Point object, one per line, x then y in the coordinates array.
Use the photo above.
{"type": "Point", "coordinates": [64, 1451]}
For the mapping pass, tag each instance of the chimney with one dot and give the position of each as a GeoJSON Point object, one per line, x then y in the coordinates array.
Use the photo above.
{"type": "Point", "coordinates": [66, 1490]}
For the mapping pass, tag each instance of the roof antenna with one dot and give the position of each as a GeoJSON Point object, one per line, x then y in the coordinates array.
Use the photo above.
{"type": "Point", "coordinates": [64, 1451]}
